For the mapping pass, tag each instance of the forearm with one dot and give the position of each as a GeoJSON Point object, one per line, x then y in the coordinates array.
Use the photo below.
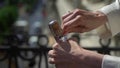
{"type": "Point", "coordinates": [101, 16]}
{"type": "Point", "coordinates": [103, 31]}
{"type": "Point", "coordinates": [93, 59]}
{"type": "Point", "coordinates": [96, 60]}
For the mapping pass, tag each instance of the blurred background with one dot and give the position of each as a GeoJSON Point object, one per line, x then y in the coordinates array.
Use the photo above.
{"type": "Point", "coordinates": [25, 38]}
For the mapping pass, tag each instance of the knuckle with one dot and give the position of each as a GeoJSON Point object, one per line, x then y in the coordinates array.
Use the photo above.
{"type": "Point", "coordinates": [50, 52]}
{"type": "Point", "coordinates": [78, 16]}
{"type": "Point", "coordinates": [77, 11]}
{"type": "Point", "coordinates": [51, 60]}
{"type": "Point", "coordinates": [55, 46]}
{"type": "Point", "coordinates": [66, 25]}
{"type": "Point", "coordinates": [63, 21]}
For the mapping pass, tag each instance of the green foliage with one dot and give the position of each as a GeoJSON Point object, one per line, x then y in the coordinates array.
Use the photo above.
{"type": "Point", "coordinates": [8, 15]}
{"type": "Point", "coordinates": [11, 2]}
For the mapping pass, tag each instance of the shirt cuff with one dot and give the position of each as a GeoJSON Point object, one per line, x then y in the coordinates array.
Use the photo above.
{"type": "Point", "coordinates": [113, 14]}
{"type": "Point", "coordinates": [111, 62]}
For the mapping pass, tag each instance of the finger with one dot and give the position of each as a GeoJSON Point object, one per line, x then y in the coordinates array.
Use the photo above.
{"type": "Point", "coordinates": [59, 49]}
{"type": "Point", "coordinates": [58, 45]}
{"type": "Point", "coordinates": [58, 60]}
{"type": "Point", "coordinates": [54, 60]}
{"type": "Point", "coordinates": [57, 54]}
{"type": "Point", "coordinates": [51, 60]}
{"type": "Point", "coordinates": [66, 15]}
{"type": "Point", "coordinates": [55, 46]}
{"type": "Point", "coordinates": [79, 29]}
{"type": "Point", "coordinates": [73, 23]}
{"type": "Point", "coordinates": [70, 17]}
{"type": "Point", "coordinates": [73, 15]}
{"type": "Point", "coordinates": [52, 54]}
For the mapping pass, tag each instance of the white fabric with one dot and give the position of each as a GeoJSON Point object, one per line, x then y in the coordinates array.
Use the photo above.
{"type": "Point", "coordinates": [113, 13]}
{"type": "Point", "coordinates": [111, 62]}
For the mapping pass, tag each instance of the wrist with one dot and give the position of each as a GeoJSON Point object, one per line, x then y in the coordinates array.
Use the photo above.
{"type": "Point", "coordinates": [93, 59]}
{"type": "Point", "coordinates": [101, 16]}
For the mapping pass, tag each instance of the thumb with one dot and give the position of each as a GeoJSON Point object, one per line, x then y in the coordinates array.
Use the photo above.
{"type": "Point", "coordinates": [65, 45]}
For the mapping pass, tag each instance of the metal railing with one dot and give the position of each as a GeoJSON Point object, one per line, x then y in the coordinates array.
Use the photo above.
{"type": "Point", "coordinates": [12, 49]}
{"type": "Point", "coordinates": [13, 52]}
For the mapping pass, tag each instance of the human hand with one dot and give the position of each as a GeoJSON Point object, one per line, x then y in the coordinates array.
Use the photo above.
{"type": "Point", "coordinates": [82, 21]}
{"type": "Point", "coordinates": [62, 55]}
{"type": "Point", "coordinates": [73, 56]}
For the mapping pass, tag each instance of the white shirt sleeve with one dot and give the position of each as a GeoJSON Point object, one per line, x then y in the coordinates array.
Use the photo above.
{"type": "Point", "coordinates": [111, 62]}
{"type": "Point", "coordinates": [113, 14]}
